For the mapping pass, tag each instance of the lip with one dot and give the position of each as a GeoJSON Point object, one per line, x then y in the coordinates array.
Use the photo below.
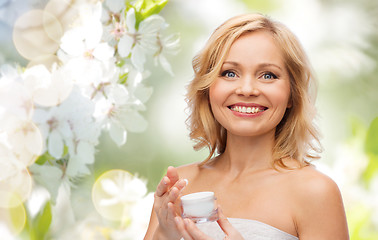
{"type": "Point", "coordinates": [243, 104]}
{"type": "Point", "coordinates": [250, 105]}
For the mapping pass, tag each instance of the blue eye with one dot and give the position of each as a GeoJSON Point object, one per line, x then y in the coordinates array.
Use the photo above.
{"type": "Point", "coordinates": [229, 74]}
{"type": "Point", "coordinates": [269, 76]}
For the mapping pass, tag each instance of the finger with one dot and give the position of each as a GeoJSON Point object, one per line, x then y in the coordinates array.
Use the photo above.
{"type": "Point", "coordinates": [181, 227]}
{"type": "Point", "coordinates": [224, 223]}
{"type": "Point", "coordinates": [173, 194]}
{"type": "Point", "coordinates": [171, 211]}
{"type": "Point", "coordinates": [162, 187]}
{"type": "Point", "coordinates": [181, 184]}
{"type": "Point", "coordinates": [172, 174]}
{"type": "Point", "coordinates": [226, 226]}
{"type": "Point", "coordinates": [193, 230]}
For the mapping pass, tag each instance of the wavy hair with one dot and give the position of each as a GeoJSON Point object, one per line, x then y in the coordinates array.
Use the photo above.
{"type": "Point", "coordinates": [296, 135]}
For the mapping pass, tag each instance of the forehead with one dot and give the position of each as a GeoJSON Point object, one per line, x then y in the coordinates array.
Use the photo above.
{"type": "Point", "coordinates": [254, 48]}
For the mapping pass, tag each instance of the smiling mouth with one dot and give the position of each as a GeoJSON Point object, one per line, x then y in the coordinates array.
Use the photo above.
{"type": "Point", "coordinates": [249, 110]}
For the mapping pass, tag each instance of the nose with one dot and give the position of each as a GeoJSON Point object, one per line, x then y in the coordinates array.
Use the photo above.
{"type": "Point", "coordinates": [248, 87]}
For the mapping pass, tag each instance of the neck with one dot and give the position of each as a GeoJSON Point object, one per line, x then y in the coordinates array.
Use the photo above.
{"type": "Point", "coordinates": [247, 153]}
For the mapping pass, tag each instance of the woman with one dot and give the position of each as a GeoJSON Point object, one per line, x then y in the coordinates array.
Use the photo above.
{"type": "Point", "coordinates": [251, 104]}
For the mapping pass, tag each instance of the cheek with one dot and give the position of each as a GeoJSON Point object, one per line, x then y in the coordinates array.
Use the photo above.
{"type": "Point", "coordinates": [215, 94]}
{"type": "Point", "coordinates": [282, 96]}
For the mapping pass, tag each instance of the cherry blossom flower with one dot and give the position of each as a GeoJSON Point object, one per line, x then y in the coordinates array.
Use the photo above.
{"type": "Point", "coordinates": [86, 56]}
{"type": "Point", "coordinates": [115, 193]}
{"type": "Point", "coordinates": [124, 189]}
{"type": "Point", "coordinates": [118, 111]}
{"type": "Point", "coordinates": [59, 111]}
{"type": "Point", "coordinates": [70, 124]}
{"type": "Point", "coordinates": [139, 41]}
{"type": "Point", "coordinates": [167, 45]}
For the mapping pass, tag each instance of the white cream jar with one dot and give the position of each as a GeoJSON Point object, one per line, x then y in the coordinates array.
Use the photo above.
{"type": "Point", "coordinates": [199, 207]}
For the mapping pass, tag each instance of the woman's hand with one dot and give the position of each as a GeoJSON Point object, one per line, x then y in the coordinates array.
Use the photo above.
{"type": "Point", "coordinates": [166, 195]}
{"type": "Point", "coordinates": [189, 230]}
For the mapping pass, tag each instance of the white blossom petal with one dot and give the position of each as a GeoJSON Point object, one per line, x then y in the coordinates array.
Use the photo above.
{"type": "Point", "coordinates": [133, 121]}
{"type": "Point", "coordinates": [124, 46]}
{"type": "Point", "coordinates": [85, 152]}
{"type": "Point", "coordinates": [136, 189]}
{"type": "Point", "coordinates": [115, 5]}
{"type": "Point", "coordinates": [151, 24]}
{"type": "Point", "coordinates": [118, 94]}
{"type": "Point", "coordinates": [103, 52]}
{"type": "Point", "coordinates": [108, 202]}
{"type": "Point", "coordinates": [165, 64]}
{"type": "Point", "coordinates": [138, 57]}
{"type": "Point", "coordinates": [55, 144]}
{"type": "Point", "coordinates": [117, 133]}
{"type": "Point", "coordinates": [93, 34]}
{"type": "Point", "coordinates": [110, 187]}
{"type": "Point", "coordinates": [37, 77]}
{"type": "Point", "coordinates": [143, 93]}
{"type": "Point", "coordinates": [72, 42]}
{"type": "Point", "coordinates": [130, 21]}
{"type": "Point", "coordinates": [76, 167]}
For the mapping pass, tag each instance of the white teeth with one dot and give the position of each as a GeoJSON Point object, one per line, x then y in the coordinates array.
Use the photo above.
{"type": "Point", "coordinates": [246, 109]}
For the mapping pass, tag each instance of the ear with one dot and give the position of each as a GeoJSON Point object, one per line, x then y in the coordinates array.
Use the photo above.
{"type": "Point", "coordinates": [289, 103]}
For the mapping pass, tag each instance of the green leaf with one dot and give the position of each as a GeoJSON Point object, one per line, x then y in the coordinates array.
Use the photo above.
{"type": "Point", "coordinates": [146, 8]}
{"type": "Point", "coordinates": [123, 78]}
{"type": "Point", "coordinates": [42, 221]}
{"type": "Point", "coordinates": [44, 158]}
{"type": "Point", "coordinates": [153, 7]}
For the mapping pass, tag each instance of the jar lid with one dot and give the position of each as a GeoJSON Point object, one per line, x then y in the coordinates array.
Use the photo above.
{"type": "Point", "coordinates": [197, 197]}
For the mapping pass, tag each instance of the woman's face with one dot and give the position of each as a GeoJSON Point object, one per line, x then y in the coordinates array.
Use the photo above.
{"type": "Point", "coordinates": [252, 91]}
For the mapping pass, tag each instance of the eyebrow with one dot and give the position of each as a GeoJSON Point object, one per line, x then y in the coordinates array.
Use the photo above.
{"type": "Point", "coordinates": [260, 65]}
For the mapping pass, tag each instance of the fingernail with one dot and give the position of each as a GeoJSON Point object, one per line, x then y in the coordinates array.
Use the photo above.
{"type": "Point", "coordinates": [186, 181]}
{"type": "Point", "coordinates": [177, 220]}
{"type": "Point", "coordinates": [165, 181]}
{"type": "Point", "coordinates": [186, 221]}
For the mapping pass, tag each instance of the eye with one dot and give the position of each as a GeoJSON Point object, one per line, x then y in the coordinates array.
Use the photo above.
{"type": "Point", "coordinates": [269, 76]}
{"type": "Point", "coordinates": [228, 74]}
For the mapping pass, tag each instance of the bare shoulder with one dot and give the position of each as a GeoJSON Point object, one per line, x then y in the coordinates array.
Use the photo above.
{"type": "Point", "coordinates": [313, 182]}
{"type": "Point", "coordinates": [318, 210]}
{"type": "Point", "coordinates": [188, 171]}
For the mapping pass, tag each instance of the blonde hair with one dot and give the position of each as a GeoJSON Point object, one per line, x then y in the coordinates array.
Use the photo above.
{"type": "Point", "coordinates": [296, 135]}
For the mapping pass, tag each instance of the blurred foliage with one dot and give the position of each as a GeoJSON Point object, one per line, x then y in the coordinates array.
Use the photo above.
{"type": "Point", "coordinates": [37, 227]}
{"type": "Point", "coordinates": [360, 225]}
{"type": "Point", "coordinates": [262, 6]}
{"type": "Point", "coordinates": [361, 212]}
{"type": "Point", "coordinates": [371, 149]}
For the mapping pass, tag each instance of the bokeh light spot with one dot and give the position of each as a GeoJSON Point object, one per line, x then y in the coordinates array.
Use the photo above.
{"type": "Point", "coordinates": [47, 60]}
{"type": "Point", "coordinates": [13, 218]}
{"type": "Point", "coordinates": [36, 34]}
{"type": "Point", "coordinates": [114, 194]}
{"type": "Point", "coordinates": [15, 184]}
{"type": "Point", "coordinates": [26, 141]}
{"type": "Point", "coordinates": [64, 10]}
